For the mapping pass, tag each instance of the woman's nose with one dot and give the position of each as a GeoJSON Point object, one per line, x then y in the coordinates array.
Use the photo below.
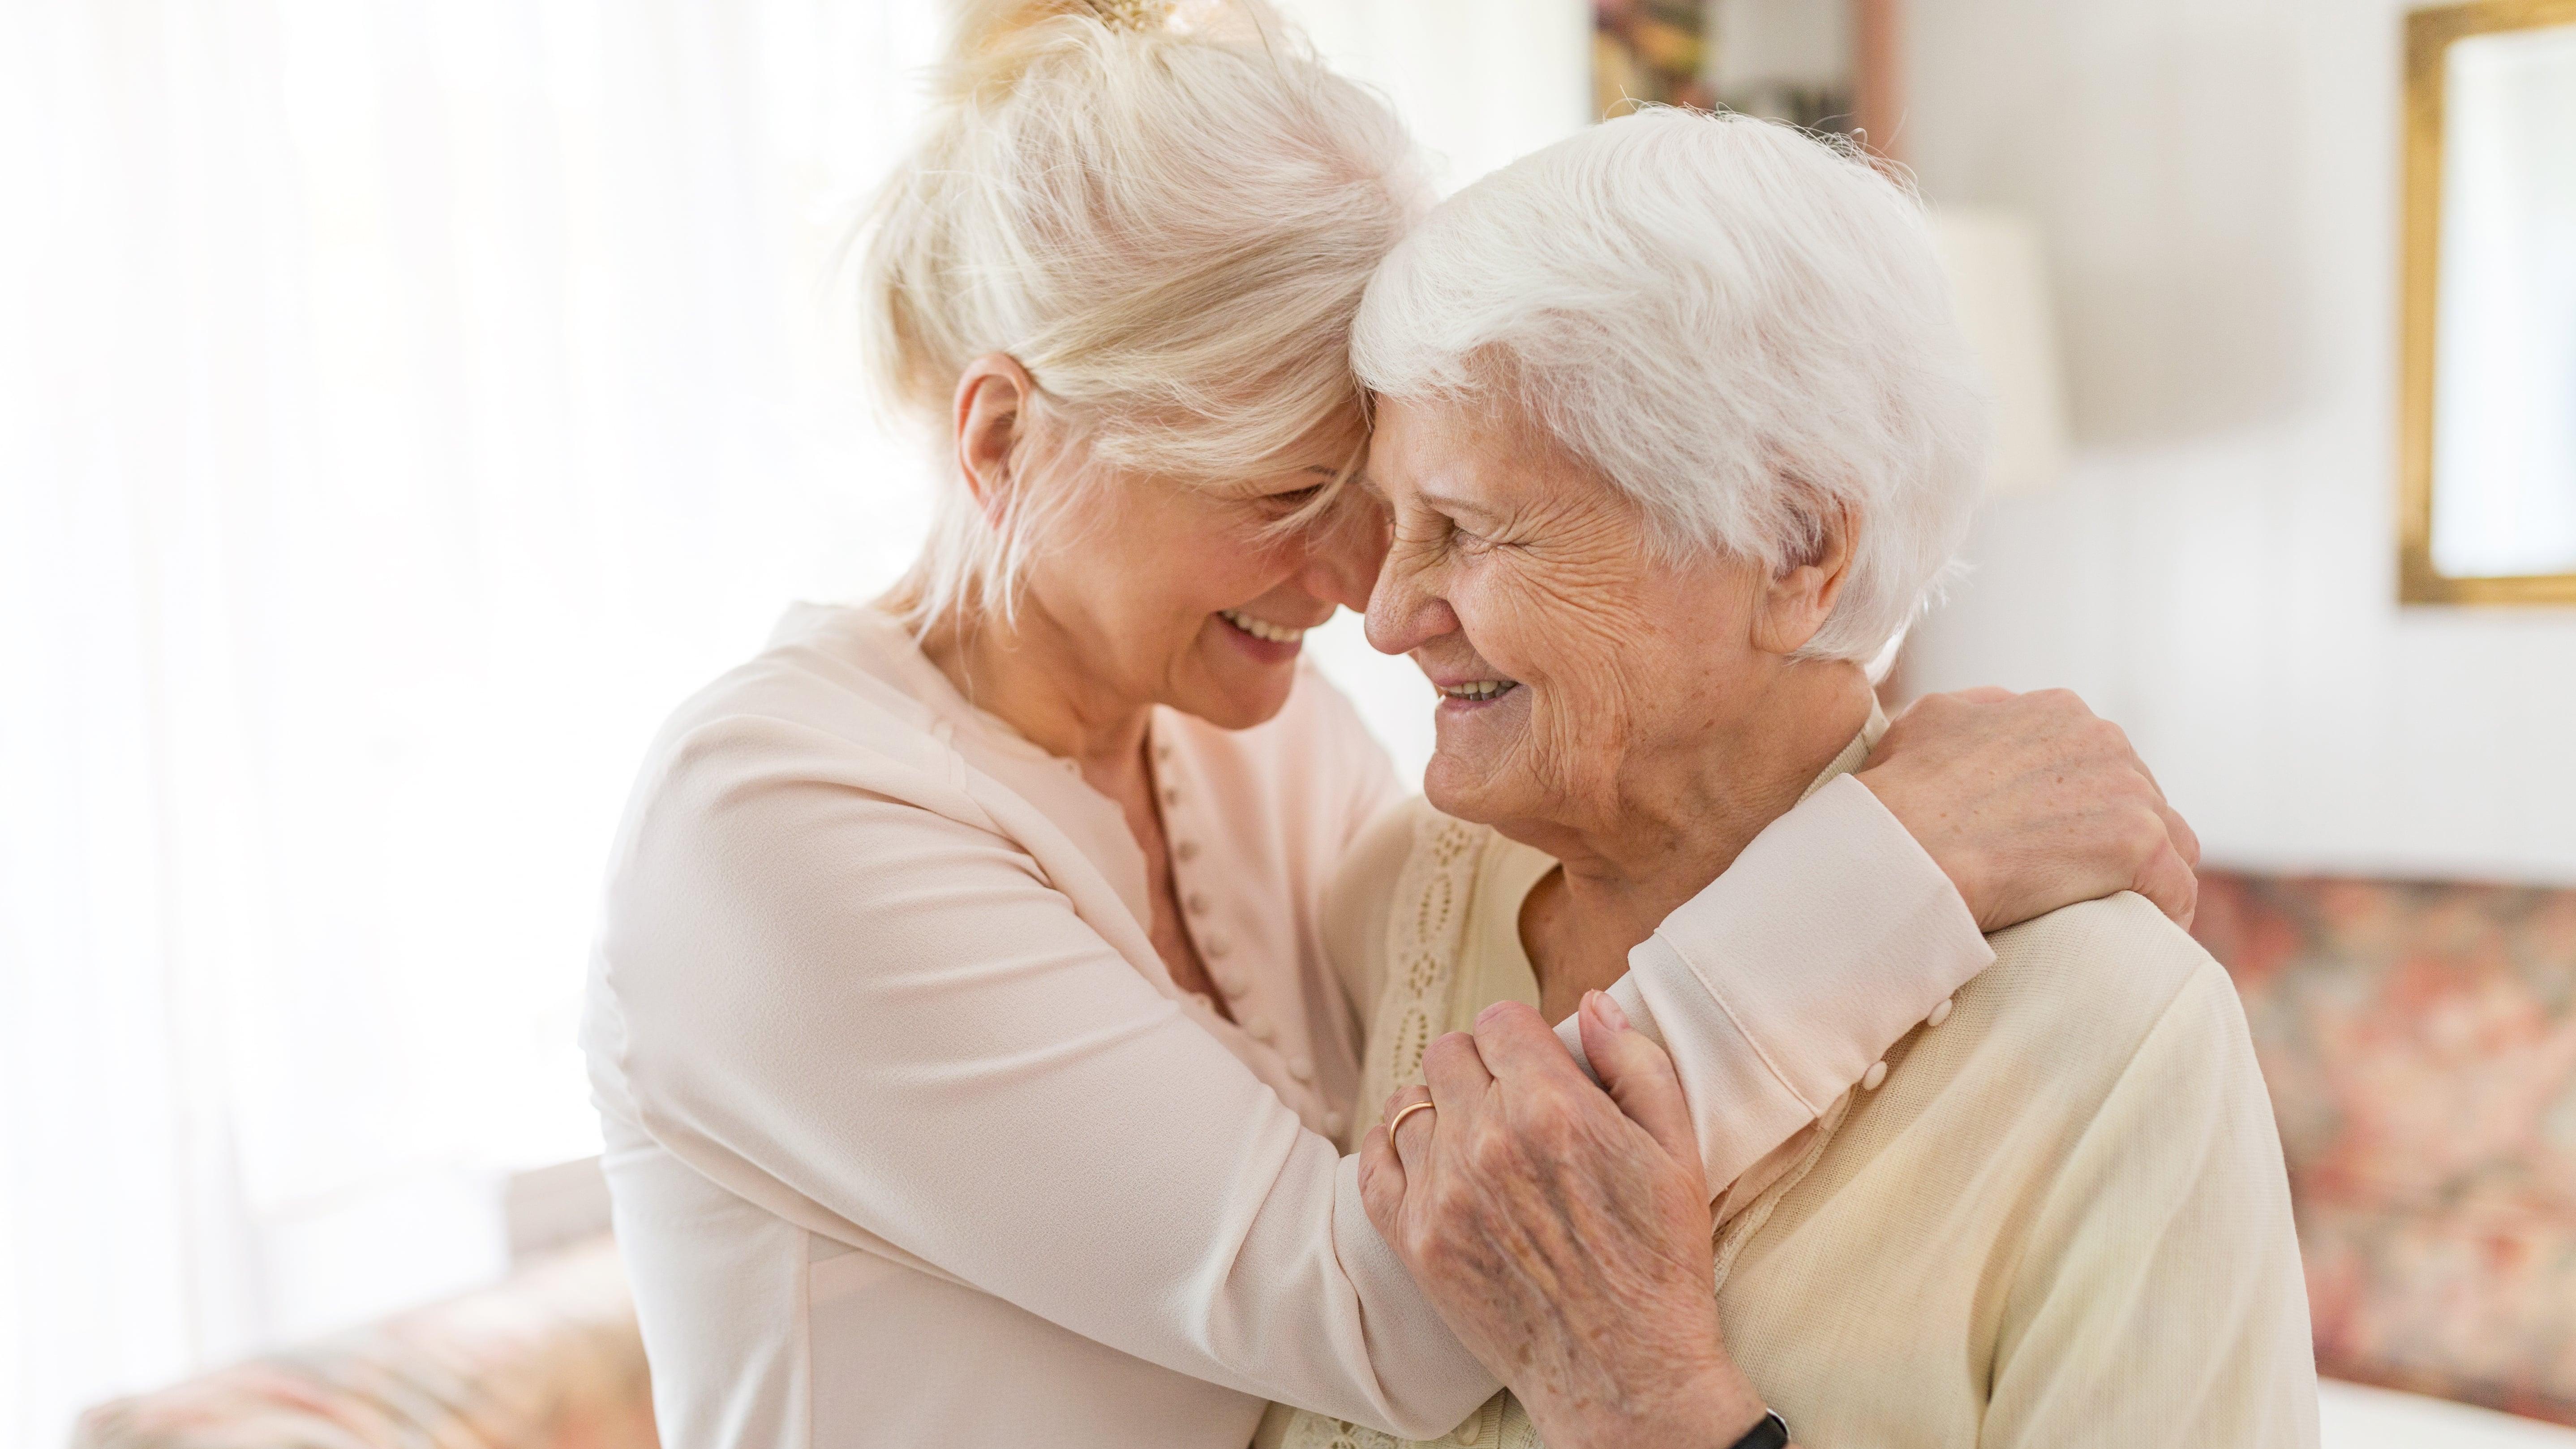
{"type": "Point", "coordinates": [1405, 610]}
{"type": "Point", "coordinates": [1344, 552]}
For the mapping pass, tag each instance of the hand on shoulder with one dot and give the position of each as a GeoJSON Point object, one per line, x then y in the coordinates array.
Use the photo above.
{"type": "Point", "coordinates": [2030, 802]}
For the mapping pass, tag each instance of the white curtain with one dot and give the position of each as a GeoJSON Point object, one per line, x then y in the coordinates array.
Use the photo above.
{"type": "Point", "coordinates": [403, 403]}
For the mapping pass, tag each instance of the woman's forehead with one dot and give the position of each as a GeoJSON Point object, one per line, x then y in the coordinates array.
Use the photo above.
{"type": "Point", "coordinates": [1445, 450]}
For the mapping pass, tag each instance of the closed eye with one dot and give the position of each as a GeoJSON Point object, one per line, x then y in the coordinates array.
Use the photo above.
{"type": "Point", "coordinates": [1438, 531]}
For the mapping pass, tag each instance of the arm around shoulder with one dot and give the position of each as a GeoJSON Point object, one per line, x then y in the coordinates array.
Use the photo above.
{"type": "Point", "coordinates": [847, 1000]}
{"type": "Point", "coordinates": [1777, 986]}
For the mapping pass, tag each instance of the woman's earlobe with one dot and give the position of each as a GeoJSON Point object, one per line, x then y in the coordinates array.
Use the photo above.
{"type": "Point", "coordinates": [1794, 607]}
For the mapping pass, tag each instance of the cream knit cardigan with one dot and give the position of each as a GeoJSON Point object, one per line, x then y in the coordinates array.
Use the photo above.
{"type": "Point", "coordinates": [2055, 1214]}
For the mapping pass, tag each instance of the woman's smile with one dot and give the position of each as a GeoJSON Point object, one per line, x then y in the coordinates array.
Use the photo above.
{"type": "Point", "coordinates": [1268, 642]}
{"type": "Point", "coordinates": [1463, 695]}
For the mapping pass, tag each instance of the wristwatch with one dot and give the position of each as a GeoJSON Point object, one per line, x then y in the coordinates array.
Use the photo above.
{"type": "Point", "coordinates": [1771, 1433]}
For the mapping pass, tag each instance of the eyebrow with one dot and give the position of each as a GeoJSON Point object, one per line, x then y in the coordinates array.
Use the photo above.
{"type": "Point", "coordinates": [1455, 504]}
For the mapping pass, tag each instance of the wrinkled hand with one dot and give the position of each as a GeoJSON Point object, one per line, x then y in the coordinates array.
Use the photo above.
{"type": "Point", "coordinates": [1562, 1234]}
{"type": "Point", "coordinates": [2030, 802]}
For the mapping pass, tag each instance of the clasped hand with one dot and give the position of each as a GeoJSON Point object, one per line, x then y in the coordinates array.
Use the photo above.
{"type": "Point", "coordinates": [1562, 1232]}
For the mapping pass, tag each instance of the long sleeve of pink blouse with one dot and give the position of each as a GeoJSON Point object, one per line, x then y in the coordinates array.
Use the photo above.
{"type": "Point", "coordinates": [1777, 988]}
{"type": "Point", "coordinates": [911, 1138]}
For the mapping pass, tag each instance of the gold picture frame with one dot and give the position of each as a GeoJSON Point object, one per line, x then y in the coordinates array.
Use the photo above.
{"type": "Point", "coordinates": [2429, 35]}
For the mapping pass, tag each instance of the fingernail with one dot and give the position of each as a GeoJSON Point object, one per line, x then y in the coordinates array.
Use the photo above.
{"type": "Point", "coordinates": [1606, 1007]}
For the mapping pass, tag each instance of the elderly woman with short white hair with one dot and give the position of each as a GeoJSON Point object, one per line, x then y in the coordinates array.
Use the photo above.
{"type": "Point", "coordinates": [1678, 430]}
{"type": "Point", "coordinates": [968, 1063]}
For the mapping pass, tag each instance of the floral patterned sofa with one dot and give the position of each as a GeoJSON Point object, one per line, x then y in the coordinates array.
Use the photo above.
{"type": "Point", "coordinates": [548, 1360]}
{"type": "Point", "coordinates": [2420, 1043]}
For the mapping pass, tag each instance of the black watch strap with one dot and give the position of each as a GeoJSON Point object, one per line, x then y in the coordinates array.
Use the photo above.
{"type": "Point", "coordinates": [1771, 1433]}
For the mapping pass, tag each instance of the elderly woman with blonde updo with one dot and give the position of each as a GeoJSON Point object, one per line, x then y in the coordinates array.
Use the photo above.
{"type": "Point", "coordinates": [969, 1063]}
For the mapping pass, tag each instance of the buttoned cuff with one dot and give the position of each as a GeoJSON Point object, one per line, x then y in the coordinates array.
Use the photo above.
{"type": "Point", "coordinates": [1778, 986]}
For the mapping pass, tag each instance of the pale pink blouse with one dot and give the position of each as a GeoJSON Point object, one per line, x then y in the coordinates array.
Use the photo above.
{"type": "Point", "coordinates": [913, 1141]}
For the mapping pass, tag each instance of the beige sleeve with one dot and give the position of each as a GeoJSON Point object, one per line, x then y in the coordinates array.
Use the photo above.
{"type": "Point", "coordinates": [2159, 1297]}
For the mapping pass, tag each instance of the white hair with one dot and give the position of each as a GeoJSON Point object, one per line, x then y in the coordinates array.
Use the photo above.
{"type": "Point", "coordinates": [1168, 224]}
{"type": "Point", "coordinates": [1740, 326]}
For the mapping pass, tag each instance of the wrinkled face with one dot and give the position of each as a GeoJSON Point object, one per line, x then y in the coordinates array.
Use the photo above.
{"type": "Point", "coordinates": [1192, 597]}
{"type": "Point", "coordinates": [1569, 655]}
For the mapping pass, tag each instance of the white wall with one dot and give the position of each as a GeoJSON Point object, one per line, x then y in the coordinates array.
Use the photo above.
{"type": "Point", "coordinates": [2218, 180]}
{"type": "Point", "coordinates": [1480, 82]}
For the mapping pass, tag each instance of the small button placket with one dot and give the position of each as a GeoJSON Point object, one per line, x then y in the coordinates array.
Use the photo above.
{"type": "Point", "coordinates": [1236, 984]}
{"type": "Point", "coordinates": [1183, 850]}
{"type": "Point", "coordinates": [1198, 910]}
{"type": "Point", "coordinates": [1876, 1076]}
{"type": "Point", "coordinates": [1231, 979]}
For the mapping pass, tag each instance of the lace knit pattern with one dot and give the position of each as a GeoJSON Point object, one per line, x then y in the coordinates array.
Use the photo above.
{"type": "Point", "coordinates": [1425, 931]}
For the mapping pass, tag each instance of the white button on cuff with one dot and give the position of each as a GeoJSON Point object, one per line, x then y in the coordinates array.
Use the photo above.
{"type": "Point", "coordinates": [1333, 1124]}
{"type": "Point", "coordinates": [1261, 1028]}
{"type": "Point", "coordinates": [1940, 1013]}
{"type": "Point", "coordinates": [1876, 1074]}
{"type": "Point", "coordinates": [1302, 1068]}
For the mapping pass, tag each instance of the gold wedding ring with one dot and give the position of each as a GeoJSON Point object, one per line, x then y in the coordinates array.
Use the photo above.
{"type": "Point", "coordinates": [1423, 1106]}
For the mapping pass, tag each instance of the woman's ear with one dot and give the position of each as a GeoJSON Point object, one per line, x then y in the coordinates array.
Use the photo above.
{"type": "Point", "coordinates": [993, 396]}
{"type": "Point", "coordinates": [1801, 598]}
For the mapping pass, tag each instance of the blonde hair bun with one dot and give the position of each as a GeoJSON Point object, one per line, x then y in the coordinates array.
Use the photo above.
{"type": "Point", "coordinates": [1167, 215]}
{"type": "Point", "coordinates": [991, 42]}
